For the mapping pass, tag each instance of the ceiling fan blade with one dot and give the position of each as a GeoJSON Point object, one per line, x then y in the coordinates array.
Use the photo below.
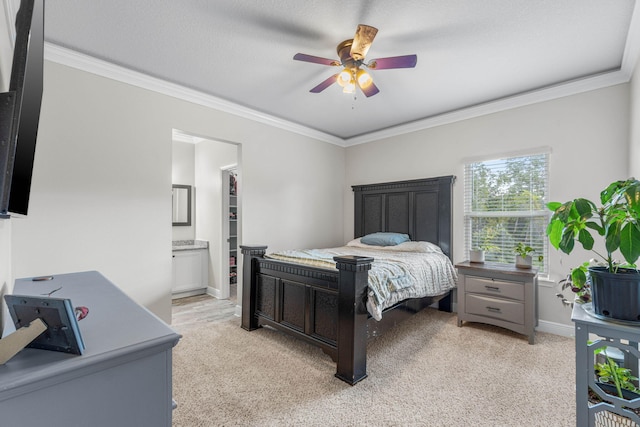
{"type": "Point", "coordinates": [325, 84]}
{"type": "Point", "coordinates": [406, 61]}
{"type": "Point", "coordinates": [370, 90]}
{"type": "Point", "coordinates": [315, 59]}
{"type": "Point", "coordinates": [362, 41]}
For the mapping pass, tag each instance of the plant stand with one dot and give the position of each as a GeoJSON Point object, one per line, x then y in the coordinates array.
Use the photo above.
{"type": "Point", "coordinates": [611, 334]}
{"type": "Point", "coordinates": [611, 419]}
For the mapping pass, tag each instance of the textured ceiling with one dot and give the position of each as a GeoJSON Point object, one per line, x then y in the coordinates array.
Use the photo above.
{"type": "Point", "coordinates": [470, 52]}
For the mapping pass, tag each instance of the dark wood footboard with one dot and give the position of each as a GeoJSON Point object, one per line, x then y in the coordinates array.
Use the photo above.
{"type": "Point", "coordinates": [323, 307]}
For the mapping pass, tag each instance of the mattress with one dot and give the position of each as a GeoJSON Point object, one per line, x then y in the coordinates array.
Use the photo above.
{"type": "Point", "coordinates": [407, 270]}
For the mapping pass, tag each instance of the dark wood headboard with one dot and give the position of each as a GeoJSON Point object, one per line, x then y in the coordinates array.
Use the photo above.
{"type": "Point", "coordinates": [421, 208]}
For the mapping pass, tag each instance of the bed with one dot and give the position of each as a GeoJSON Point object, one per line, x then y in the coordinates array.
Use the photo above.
{"type": "Point", "coordinates": [328, 307]}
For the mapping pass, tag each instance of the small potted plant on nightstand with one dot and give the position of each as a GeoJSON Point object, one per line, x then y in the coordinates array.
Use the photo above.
{"type": "Point", "coordinates": [476, 255]}
{"type": "Point", "coordinates": [524, 258]}
{"type": "Point", "coordinates": [482, 243]}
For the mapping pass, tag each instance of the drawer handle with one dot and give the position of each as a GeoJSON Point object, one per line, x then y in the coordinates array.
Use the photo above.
{"type": "Point", "coordinates": [494, 309]}
{"type": "Point", "coordinates": [492, 288]}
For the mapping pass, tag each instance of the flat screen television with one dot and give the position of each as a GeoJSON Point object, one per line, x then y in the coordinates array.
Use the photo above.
{"type": "Point", "coordinates": [20, 109]}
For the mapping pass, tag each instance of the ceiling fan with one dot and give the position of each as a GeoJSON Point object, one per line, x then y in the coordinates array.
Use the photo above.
{"type": "Point", "coordinates": [352, 54]}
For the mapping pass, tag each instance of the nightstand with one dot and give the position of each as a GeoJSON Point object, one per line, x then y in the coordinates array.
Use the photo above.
{"type": "Point", "coordinates": [498, 294]}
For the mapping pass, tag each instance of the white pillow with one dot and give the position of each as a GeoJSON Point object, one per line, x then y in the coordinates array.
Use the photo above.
{"type": "Point", "coordinates": [422, 247]}
{"type": "Point", "coordinates": [356, 243]}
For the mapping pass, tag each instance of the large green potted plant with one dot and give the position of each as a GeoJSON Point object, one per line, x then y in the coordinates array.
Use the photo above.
{"type": "Point", "coordinates": [613, 286]}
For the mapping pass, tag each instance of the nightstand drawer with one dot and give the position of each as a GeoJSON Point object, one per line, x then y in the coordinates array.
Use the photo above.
{"type": "Point", "coordinates": [500, 288]}
{"type": "Point", "coordinates": [509, 311]}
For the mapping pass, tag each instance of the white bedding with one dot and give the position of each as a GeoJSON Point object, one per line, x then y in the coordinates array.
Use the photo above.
{"type": "Point", "coordinates": [407, 270]}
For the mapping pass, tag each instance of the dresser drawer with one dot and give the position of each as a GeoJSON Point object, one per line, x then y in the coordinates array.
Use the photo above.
{"type": "Point", "coordinates": [503, 309]}
{"type": "Point", "coordinates": [497, 287]}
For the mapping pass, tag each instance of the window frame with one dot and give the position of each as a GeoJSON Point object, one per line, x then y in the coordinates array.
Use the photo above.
{"type": "Point", "coordinates": [537, 202]}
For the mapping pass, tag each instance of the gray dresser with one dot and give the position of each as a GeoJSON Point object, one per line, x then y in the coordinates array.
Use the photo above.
{"type": "Point", "coordinates": [122, 379]}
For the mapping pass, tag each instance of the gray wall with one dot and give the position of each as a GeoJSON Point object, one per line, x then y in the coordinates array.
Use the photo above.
{"type": "Point", "coordinates": [588, 135]}
{"type": "Point", "coordinates": [101, 195]}
{"type": "Point", "coordinates": [634, 132]}
{"type": "Point", "coordinates": [211, 156]}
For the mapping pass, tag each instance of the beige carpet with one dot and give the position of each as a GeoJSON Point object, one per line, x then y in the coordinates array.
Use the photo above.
{"type": "Point", "coordinates": [425, 372]}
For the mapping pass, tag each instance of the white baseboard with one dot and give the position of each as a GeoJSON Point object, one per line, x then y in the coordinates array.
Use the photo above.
{"type": "Point", "coordinates": [556, 328]}
{"type": "Point", "coordinates": [213, 292]}
{"type": "Point", "coordinates": [543, 325]}
{"type": "Point", "coordinates": [188, 293]}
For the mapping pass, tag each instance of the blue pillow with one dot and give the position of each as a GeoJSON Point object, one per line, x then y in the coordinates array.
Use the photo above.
{"type": "Point", "coordinates": [384, 239]}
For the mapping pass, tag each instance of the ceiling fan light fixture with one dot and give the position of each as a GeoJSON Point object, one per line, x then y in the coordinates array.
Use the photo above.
{"type": "Point", "coordinates": [352, 54]}
{"type": "Point", "coordinates": [344, 77]}
{"type": "Point", "coordinates": [363, 78]}
{"type": "Point", "coordinates": [349, 87]}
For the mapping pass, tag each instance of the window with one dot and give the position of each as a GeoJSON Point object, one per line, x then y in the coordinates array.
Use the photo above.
{"type": "Point", "coordinates": [505, 203]}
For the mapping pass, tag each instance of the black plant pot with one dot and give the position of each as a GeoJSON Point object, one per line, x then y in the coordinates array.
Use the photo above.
{"type": "Point", "coordinates": [613, 419]}
{"type": "Point", "coordinates": [612, 390]}
{"type": "Point", "coordinates": [616, 296]}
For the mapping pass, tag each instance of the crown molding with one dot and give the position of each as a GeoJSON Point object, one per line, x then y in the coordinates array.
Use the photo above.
{"type": "Point", "coordinates": [71, 58]}
{"type": "Point", "coordinates": [574, 87]}
{"type": "Point", "coordinates": [520, 100]}
{"type": "Point", "coordinates": [74, 59]}
{"type": "Point", "coordinates": [632, 46]}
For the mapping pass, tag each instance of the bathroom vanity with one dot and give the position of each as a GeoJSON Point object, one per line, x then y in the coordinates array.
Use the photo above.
{"type": "Point", "coordinates": [190, 268]}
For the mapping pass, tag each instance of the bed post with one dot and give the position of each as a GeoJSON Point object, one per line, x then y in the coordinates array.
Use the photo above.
{"type": "Point", "coordinates": [352, 318]}
{"type": "Point", "coordinates": [249, 262]}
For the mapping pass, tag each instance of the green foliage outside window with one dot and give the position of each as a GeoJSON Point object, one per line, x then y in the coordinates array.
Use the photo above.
{"type": "Point", "coordinates": [505, 204]}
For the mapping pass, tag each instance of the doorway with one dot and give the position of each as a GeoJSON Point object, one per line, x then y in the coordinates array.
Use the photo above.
{"type": "Point", "coordinates": [210, 220]}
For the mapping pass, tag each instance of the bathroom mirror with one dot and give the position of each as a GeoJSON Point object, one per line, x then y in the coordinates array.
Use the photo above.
{"type": "Point", "coordinates": [181, 204]}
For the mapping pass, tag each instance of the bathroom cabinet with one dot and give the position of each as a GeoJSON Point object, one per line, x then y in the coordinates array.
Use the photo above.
{"type": "Point", "coordinates": [190, 272]}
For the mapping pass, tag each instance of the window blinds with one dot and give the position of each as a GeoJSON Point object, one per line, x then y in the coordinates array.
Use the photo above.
{"type": "Point", "coordinates": [505, 203]}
